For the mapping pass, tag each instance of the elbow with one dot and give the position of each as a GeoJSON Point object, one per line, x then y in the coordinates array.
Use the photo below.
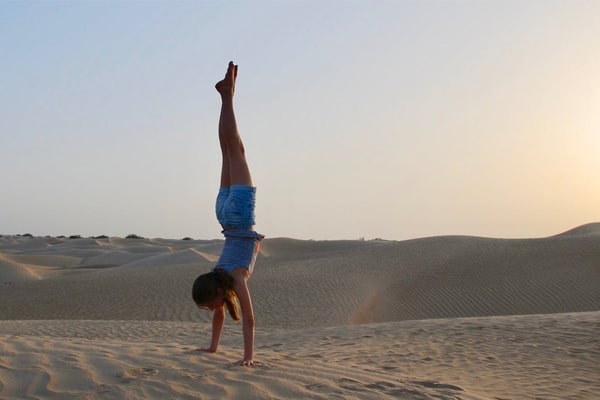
{"type": "Point", "coordinates": [219, 314]}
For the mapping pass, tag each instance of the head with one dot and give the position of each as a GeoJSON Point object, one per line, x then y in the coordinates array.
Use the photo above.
{"type": "Point", "coordinates": [215, 289]}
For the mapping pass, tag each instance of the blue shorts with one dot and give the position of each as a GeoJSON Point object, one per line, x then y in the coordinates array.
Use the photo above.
{"type": "Point", "coordinates": [235, 206]}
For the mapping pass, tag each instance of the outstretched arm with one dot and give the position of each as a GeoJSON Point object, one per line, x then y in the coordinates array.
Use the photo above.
{"type": "Point", "coordinates": [240, 287]}
{"type": "Point", "coordinates": [217, 327]}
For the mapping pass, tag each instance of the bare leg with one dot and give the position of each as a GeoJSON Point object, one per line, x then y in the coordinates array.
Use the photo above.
{"type": "Point", "coordinates": [234, 170]}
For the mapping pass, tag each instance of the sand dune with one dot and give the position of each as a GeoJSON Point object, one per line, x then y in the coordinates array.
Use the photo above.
{"type": "Point", "coordinates": [592, 229]}
{"type": "Point", "coordinates": [551, 356]}
{"type": "Point", "coordinates": [15, 272]}
{"type": "Point", "coordinates": [451, 317]}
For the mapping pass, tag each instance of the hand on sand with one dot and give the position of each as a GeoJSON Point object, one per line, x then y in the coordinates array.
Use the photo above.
{"type": "Point", "coordinates": [247, 363]}
{"type": "Point", "coordinates": [203, 350]}
{"type": "Point", "coordinates": [226, 87]}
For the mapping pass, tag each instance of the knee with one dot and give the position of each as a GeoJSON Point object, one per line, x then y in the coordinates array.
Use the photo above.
{"type": "Point", "coordinates": [235, 149]}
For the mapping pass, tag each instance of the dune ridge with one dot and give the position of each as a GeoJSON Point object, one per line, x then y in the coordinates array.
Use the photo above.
{"type": "Point", "coordinates": [591, 229]}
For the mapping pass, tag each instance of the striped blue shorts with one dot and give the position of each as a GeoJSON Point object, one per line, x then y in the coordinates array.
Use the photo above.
{"type": "Point", "coordinates": [235, 206]}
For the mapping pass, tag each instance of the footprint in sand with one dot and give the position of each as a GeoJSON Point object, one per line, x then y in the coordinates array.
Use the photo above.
{"type": "Point", "coordinates": [321, 387]}
{"type": "Point", "coordinates": [437, 385]}
{"type": "Point", "coordinates": [136, 373]}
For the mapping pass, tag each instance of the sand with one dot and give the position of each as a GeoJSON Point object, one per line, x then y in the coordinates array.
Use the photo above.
{"type": "Point", "coordinates": [450, 317]}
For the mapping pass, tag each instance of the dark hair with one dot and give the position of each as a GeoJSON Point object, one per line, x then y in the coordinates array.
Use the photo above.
{"type": "Point", "coordinates": [205, 290]}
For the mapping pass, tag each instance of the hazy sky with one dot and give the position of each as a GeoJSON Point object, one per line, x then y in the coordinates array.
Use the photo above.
{"type": "Point", "coordinates": [396, 119]}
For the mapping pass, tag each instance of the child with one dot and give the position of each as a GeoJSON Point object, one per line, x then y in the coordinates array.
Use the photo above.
{"type": "Point", "coordinates": [226, 285]}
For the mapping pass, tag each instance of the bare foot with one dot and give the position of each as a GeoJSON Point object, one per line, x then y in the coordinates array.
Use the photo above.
{"type": "Point", "coordinates": [226, 87]}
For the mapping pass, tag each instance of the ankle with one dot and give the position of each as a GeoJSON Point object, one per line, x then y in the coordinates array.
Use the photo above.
{"type": "Point", "coordinates": [227, 99]}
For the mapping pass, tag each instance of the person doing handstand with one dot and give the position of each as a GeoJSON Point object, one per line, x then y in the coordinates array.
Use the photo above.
{"type": "Point", "coordinates": [226, 285]}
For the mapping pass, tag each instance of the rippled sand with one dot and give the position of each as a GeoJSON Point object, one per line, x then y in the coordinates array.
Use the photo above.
{"type": "Point", "coordinates": [434, 318]}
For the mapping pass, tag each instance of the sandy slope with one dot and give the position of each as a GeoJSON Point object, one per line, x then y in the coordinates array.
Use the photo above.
{"type": "Point", "coordinates": [113, 318]}
{"type": "Point", "coordinates": [552, 356]}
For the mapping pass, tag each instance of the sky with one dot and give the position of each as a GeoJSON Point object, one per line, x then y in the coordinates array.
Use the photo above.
{"type": "Point", "coordinates": [361, 119]}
